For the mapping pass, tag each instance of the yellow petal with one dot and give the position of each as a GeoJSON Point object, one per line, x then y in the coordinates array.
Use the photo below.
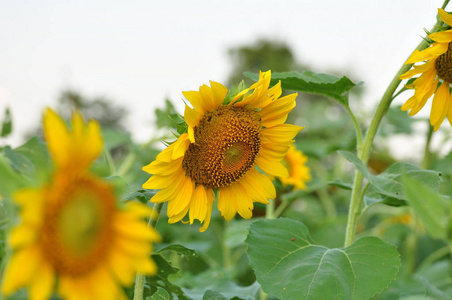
{"type": "Point", "coordinates": [196, 100]}
{"type": "Point", "coordinates": [134, 230]}
{"type": "Point", "coordinates": [243, 200]}
{"type": "Point", "coordinates": [180, 146]}
{"type": "Point", "coordinates": [198, 204]}
{"type": "Point", "coordinates": [210, 200]}
{"type": "Point", "coordinates": [21, 268]}
{"type": "Point", "coordinates": [163, 168]}
{"type": "Point", "coordinates": [440, 105]}
{"type": "Point", "coordinates": [276, 112]}
{"type": "Point", "coordinates": [22, 235]}
{"type": "Point", "coordinates": [219, 92]}
{"type": "Point", "coordinates": [274, 151]}
{"type": "Point", "coordinates": [56, 135]}
{"type": "Point", "coordinates": [191, 134]}
{"type": "Point", "coordinates": [177, 217]}
{"type": "Point", "coordinates": [158, 182]}
{"type": "Point", "coordinates": [442, 36]}
{"type": "Point", "coordinates": [181, 199]}
{"type": "Point", "coordinates": [191, 116]}
{"type": "Point", "coordinates": [274, 168]}
{"type": "Point", "coordinates": [41, 287]}
{"type": "Point", "coordinates": [447, 18]}
{"type": "Point", "coordinates": [121, 266]}
{"type": "Point", "coordinates": [145, 266]}
{"type": "Point", "coordinates": [76, 149]}
{"type": "Point", "coordinates": [283, 133]}
{"type": "Point", "coordinates": [259, 186]}
{"type": "Point", "coordinates": [226, 203]}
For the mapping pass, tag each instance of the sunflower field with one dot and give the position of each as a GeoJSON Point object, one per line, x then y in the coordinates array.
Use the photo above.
{"type": "Point", "coordinates": [276, 186]}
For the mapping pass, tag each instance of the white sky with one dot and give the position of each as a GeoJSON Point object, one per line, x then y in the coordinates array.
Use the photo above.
{"type": "Point", "coordinates": [139, 52]}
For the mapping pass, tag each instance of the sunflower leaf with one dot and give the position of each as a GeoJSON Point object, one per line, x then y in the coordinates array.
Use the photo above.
{"type": "Point", "coordinates": [389, 183]}
{"type": "Point", "coordinates": [428, 206]}
{"type": "Point", "coordinates": [181, 250]}
{"type": "Point", "coordinates": [160, 280]}
{"type": "Point", "coordinates": [212, 295]}
{"type": "Point", "coordinates": [334, 87]}
{"type": "Point", "coordinates": [290, 265]}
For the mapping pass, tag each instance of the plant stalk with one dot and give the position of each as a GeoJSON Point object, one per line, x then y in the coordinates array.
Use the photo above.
{"type": "Point", "coordinates": [356, 200]}
{"type": "Point", "coordinates": [141, 278]}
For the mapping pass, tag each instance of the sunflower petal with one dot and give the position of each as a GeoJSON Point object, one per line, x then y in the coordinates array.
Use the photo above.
{"type": "Point", "coordinates": [440, 105]}
{"type": "Point", "coordinates": [447, 18]}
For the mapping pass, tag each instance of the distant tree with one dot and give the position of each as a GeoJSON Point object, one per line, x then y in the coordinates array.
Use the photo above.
{"type": "Point", "coordinates": [102, 109]}
{"type": "Point", "coordinates": [263, 54]}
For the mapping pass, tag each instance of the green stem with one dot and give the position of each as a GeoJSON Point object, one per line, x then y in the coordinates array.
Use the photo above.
{"type": "Point", "coordinates": [327, 203]}
{"type": "Point", "coordinates": [359, 136]}
{"type": "Point", "coordinates": [426, 159]}
{"type": "Point", "coordinates": [364, 150]}
{"type": "Point", "coordinates": [269, 215]}
{"type": "Point", "coordinates": [270, 209]}
{"type": "Point", "coordinates": [140, 278]}
{"type": "Point", "coordinates": [110, 162]}
{"type": "Point", "coordinates": [126, 164]}
{"type": "Point", "coordinates": [225, 248]}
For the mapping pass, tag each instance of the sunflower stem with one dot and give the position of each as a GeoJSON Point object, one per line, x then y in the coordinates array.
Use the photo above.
{"type": "Point", "coordinates": [359, 137]}
{"type": "Point", "coordinates": [357, 195]}
{"type": "Point", "coordinates": [270, 209]}
{"type": "Point", "coordinates": [140, 279]}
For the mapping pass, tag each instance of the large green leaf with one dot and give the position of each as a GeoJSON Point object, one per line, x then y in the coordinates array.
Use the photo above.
{"type": "Point", "coordinates": [428, 206]}
{"type": "Point", "coordinates": [290, 265]}
{"type": "Point", "coordinates": [389, 183]}
{"type": "Point", "coordinates": [328, 85]}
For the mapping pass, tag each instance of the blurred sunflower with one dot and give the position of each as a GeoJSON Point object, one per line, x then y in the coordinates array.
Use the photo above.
{"type": "Point", "coordinates": [436, 76]}
{"type": "Point", "coordinates": [227, 138]}
{"type": "Point", "coordinates": [295, 161]}
{"type": "Point", "coordinates": [72, 233]}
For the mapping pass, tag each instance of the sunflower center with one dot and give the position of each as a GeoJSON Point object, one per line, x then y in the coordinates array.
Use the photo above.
{"type": "Point", "coordinates": [227, 143]}
{"type": "Point", "coordinates": [77, 227]}
{"type": "Point", "coordinates": [444, 65]}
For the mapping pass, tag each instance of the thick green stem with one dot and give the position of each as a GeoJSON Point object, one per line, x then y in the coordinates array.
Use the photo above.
{"type": "Point", "coordinates": [364, 151]}
{"type": "Point", "coordinates": [140, 278]}
{"type": "Point", "coordinates": [270, 209]}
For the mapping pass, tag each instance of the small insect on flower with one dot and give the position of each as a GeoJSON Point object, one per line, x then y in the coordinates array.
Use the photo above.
{"type": "Point", "coordinates": [72, 232]}
{"type": "Point", "coordinates": [227, 138]}
{"type": "Point", "coordinates": [435, 78]}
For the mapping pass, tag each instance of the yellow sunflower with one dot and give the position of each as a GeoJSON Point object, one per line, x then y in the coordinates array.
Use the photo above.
{"type": "Point", "coordinates": [436, 76]}
{"type": "Point", "coordinates": [72, 234]}
{"type": "Point", "coordinates": [225, 142]}
{"type": "Point", "coordinates": [295, 161]}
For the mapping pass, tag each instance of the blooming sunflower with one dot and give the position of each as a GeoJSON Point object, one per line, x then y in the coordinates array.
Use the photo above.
{"type": "Point", "coordinates": [436, 76]}
{"type": "Point", "coordinates": [72, 233]}
{"type": "Point", "coordinates": [225, 142]}
{"type": "Point", "coordinates": [295, 161]}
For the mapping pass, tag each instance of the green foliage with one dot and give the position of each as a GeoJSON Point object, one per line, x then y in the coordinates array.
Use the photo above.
{"type": "Point", "coordinates": [7, 124]}
{"type": "Point", "coordinates": [336, 88]}
{"type": "Point", "coordinates": [290, 265]}
{"type": "Point", "coordinates": [432, 210]}
{"type": "Point", "coordinates": [389, 183]}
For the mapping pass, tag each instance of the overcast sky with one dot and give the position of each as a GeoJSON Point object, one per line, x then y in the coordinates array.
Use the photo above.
{"type": "Point", "coordinates": [139, 52]}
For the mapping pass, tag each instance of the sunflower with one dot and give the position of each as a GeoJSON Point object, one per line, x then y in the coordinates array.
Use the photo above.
{"type": "Point", "coordinates": [436, 76]}
{"type": "Point", "coordinates": [295, 162]}
{"type": "Point", "coordinates": [72, 233]}
{"type": "Point", "coordinates": [226, 139]}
